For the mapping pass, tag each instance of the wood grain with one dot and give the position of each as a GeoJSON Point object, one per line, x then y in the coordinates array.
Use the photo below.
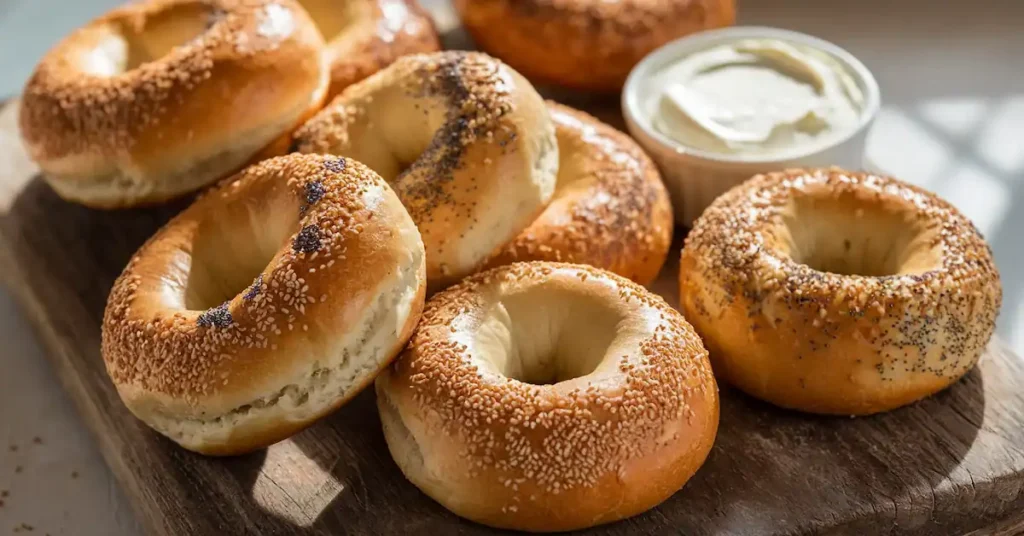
{"type": "Point", "coordinates": [951, 464]}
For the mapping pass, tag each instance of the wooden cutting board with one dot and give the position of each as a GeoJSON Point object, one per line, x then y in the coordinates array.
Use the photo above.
{"type": "Point", "coordinates": [951, 464]}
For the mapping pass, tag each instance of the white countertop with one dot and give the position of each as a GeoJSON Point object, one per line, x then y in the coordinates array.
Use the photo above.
{"type": "Point", "coordinates": [952, 82]}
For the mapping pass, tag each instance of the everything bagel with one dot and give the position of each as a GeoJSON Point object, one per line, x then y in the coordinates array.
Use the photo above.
{"type": "Point", "coordinates": [270, 301]}
{"type": "Point", "coordinates": [837, 292]}
{"type": "Point", "coordinates": [467, 144]}
{"type": "Point", "coordinates": [162, 97]}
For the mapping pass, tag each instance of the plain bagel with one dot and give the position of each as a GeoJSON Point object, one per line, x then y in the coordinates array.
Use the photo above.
{"type": "Point", "coordinates": [610, 208]}
{"type": "Point", "coordinates": [269, 302]}
{"type": "Point", "coordinates": [364, 36]}
{"type": "Point", "coordinates": [837, 292]}
{"type": "Point", "coordinates": [589, 45]}
{"type": "Point", "coordinates": [466, 142]}
{"type": "Point", "coordinates": [161, 97]}
{"type": "Point", "coordinates": [548, 397]}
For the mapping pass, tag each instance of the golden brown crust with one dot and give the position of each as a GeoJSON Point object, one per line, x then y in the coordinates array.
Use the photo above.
{"type": "Point", "coordinates": [588, 45]}
{"type": "Point", "coordinates": [829, 343]}
{"type": "Point", "coordinates": [368, 35]}
{"type": "Point", "coordinates": [250, 437]}
{"type": "Point", "coordinates": [110, 133]}
{"type": "Point", "coordinates": [580, 452]}
{"type": "Point", "coordinates": [465, 141]}
{"type": "Point", "coordinates": [229, 377]}
{"type": "Point", "coordinates": [610, 209]}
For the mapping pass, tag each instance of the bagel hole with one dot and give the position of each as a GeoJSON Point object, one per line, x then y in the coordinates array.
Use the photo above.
{"type": "Point", "coordinates": [233, 247]}
{"type": "Point", "coordinates": [136, 42]}
{"type": "Point", "coordinates": [544, 336]}
{"type": "Point", "coordinates": [853, 235]}
{"type": "Point", "coordinates": [331, 17]}
{"type": "Point", "coordinates": [395, 139]}
{"type": "Point", "coordinates": [334, 17]}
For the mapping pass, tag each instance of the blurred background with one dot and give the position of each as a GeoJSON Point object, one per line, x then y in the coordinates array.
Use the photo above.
{"type": "Point", "coordinates": [952, 121]}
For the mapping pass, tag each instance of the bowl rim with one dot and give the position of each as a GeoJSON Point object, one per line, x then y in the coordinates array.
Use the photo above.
{"type": "Point", "coordinates": [631, 106]}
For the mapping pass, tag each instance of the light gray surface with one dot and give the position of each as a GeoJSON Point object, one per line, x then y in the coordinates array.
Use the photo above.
{"type": "Point", "coordinates": [58, 485]}
{"type": "Point", "coordinates": [952, 121]}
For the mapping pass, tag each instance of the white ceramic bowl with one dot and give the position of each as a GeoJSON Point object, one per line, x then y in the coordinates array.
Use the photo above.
{"type": "Point", "coordinates": [696, 177]}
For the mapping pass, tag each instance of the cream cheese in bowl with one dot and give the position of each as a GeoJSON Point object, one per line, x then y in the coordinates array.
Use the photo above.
{"type": "Point", "coordinates": [715, 108]}
{"type": "Point", "coordinates": [756, 96]}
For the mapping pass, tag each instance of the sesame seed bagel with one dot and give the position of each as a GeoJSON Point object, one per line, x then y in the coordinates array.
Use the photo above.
{"type": "Point", "coordinates": [835, 292]}
{"type": "Point", "coordinates": [546, 397]}
{"type": "Point", "coordinates": [588, 45]}
{"type": "Point", "coordinates": [609, 210]}
{"type": "Point", "coordinates": [364, 36]}
{"type": "Point", "coordinates": [272, 300]}
{"type": "Point", "coordinates": [161, 97]}
{"type": "Point", "coordinates": [466, 142]}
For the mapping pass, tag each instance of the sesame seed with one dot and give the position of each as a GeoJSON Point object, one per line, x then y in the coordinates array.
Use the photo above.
{"type": "Point", "coordinates": [190, 358]}
{"type": "Point", "coordinates": [915, 324]}
{"type": "Point", "coordinates": [552, 447]}
{"type": "Point", "coordinates": [614, 213]}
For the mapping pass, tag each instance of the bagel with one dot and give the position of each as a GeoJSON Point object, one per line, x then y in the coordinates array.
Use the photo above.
{"type": "Point", "coordinates": [547, 397]}
{"type": "Point", "coordinates": [267, 303]}
{"type": "Point", "coordinates": [466, 143]}
{"type": "Point", "coordinates": [159, 98]}
{"type": "Point", "coordinates": [364, 36]}
{"type": "Point", "coordinates": [609, 209]}
{"type": "Point", "coordinates": [835, 292]}
{"type": "Point", "coordinates": [587, 45]}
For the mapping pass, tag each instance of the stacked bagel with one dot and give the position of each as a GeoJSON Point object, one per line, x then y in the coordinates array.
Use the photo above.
{"type": "Point", "coordinates": [540, 372]}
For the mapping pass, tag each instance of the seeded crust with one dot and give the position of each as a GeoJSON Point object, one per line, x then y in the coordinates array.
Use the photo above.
{"type": "Point", "coordinates": [378, 33]}
{"type": "Point", "coordinates": [577, 453]}
{"type": "Point", "coordinates": [335, 304]}
{"type": "Point", "coordinates": [588, 45]}
{"type": "Point", "coordinates": [466, 142]}
{"type": "Point", "coordinates": [181, 121]}
{"type": "Point", "coordinates": [610, 209]}
{"type": "Point", "coordinates": [829, 343]}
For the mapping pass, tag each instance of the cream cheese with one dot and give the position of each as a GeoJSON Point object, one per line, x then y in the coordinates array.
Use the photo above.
{"type": "Point", "coordinates": [760, 97]}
